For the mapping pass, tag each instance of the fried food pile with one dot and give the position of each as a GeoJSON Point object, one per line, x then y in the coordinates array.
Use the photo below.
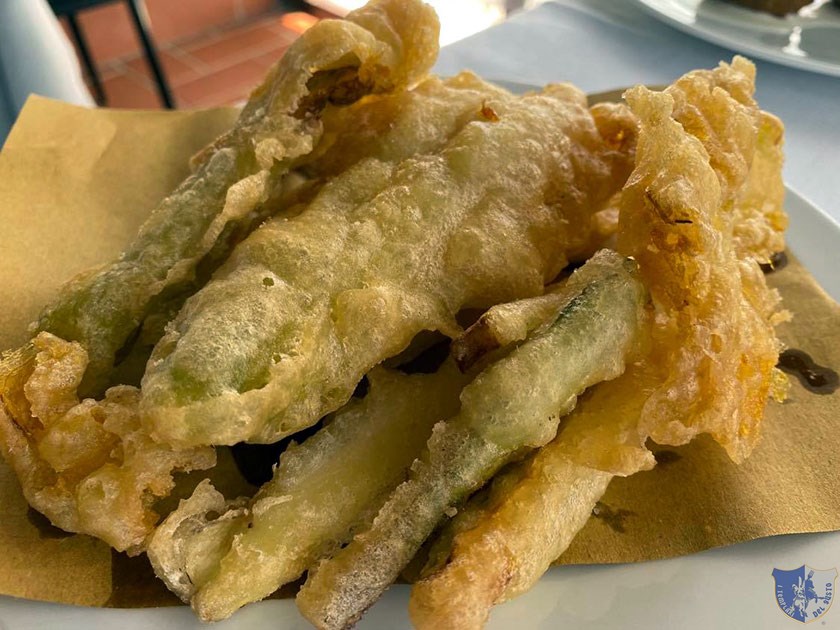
{"type": "Point", "coordinates": [587, 278]}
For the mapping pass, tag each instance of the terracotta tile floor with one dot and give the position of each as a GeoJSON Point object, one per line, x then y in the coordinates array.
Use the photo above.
{"type": "Point", "coordinates": [220, 67]}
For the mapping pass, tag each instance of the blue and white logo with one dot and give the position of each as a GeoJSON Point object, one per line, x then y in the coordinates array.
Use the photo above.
{"type": "Point", "coordinates": [804, 594]}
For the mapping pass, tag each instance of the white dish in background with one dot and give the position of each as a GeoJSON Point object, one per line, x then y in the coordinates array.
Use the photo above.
{"type": "Point", "coordinates": [730, 587]}
{"type": "Point", "coordinates": [809, 40]}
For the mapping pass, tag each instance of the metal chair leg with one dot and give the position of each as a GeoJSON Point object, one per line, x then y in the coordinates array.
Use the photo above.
{"type": "Point", "coordinates": [288, 6]}
{"type": "Point", "coordinates": [141, 21]}
{"type": "Point", "coordinates": [84, 52]}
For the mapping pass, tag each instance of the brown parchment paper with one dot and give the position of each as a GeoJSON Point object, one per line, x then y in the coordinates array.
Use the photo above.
{"type": "Point", "coordinates": [76, 183]}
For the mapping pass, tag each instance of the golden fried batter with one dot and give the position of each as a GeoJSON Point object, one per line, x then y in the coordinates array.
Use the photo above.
{"type": "Point", "coordinates": [386, 45]}
{"type": "Point", "coordinates": [220, 556]}
{"type": "Point", "coordinates": [87, 465]}
{"type": "Point", "coordinates": [305, 306]}
{"type": "Point", "coordinates": [358, 203]}
{"type": "Point", "coordinates": [240, 179]}
{"type": "Point", "coordinates": [701, 208]}
{"type": "Point", "coordinates": [714, 335]}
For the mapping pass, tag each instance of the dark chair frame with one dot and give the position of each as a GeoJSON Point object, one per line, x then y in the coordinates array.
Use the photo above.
{"type": "Point", "coordinates": [140, 17]}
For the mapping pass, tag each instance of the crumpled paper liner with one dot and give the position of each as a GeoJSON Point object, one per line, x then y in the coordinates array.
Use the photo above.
{"type": "Point", "coordinates": [76, 183]}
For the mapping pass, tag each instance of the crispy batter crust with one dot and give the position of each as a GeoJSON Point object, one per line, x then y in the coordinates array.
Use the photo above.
{"type": "Point", "coordinates": [87, 465]}
{"type": "Point", "coordinates": [714, 333]}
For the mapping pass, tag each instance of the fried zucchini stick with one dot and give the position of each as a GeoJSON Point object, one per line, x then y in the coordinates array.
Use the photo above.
{"type": "Point", "coordinates": [505, 324]}
{"type": "Point", "coordinates": [509, 550]}
{"type": "Point", "coordinates": [306, 306]}
{"type": "Point", "coordinates": [386, 45]}
{"type": "Point", "coordinates": [322, 491]}
{"type": "Point", "coordinates": [512, 405]}
{"type": "Point", "coordinates": [507, 537]}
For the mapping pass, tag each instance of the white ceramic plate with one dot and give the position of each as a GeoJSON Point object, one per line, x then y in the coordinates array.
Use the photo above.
{"type": "Point", "coordinates": [809, 40]}
{"type": "Point", "coordinates": [722, 588]}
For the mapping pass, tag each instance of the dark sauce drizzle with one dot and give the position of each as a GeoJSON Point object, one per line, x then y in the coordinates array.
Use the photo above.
{"type": "Point", "coordinates": [666, 457]}
{"type": "Point", "coordinates": [815, 378]}
{"type": "Point", "coordinates": [779, 260]}
{"type": "Point", "coordinates": [613, 518]}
